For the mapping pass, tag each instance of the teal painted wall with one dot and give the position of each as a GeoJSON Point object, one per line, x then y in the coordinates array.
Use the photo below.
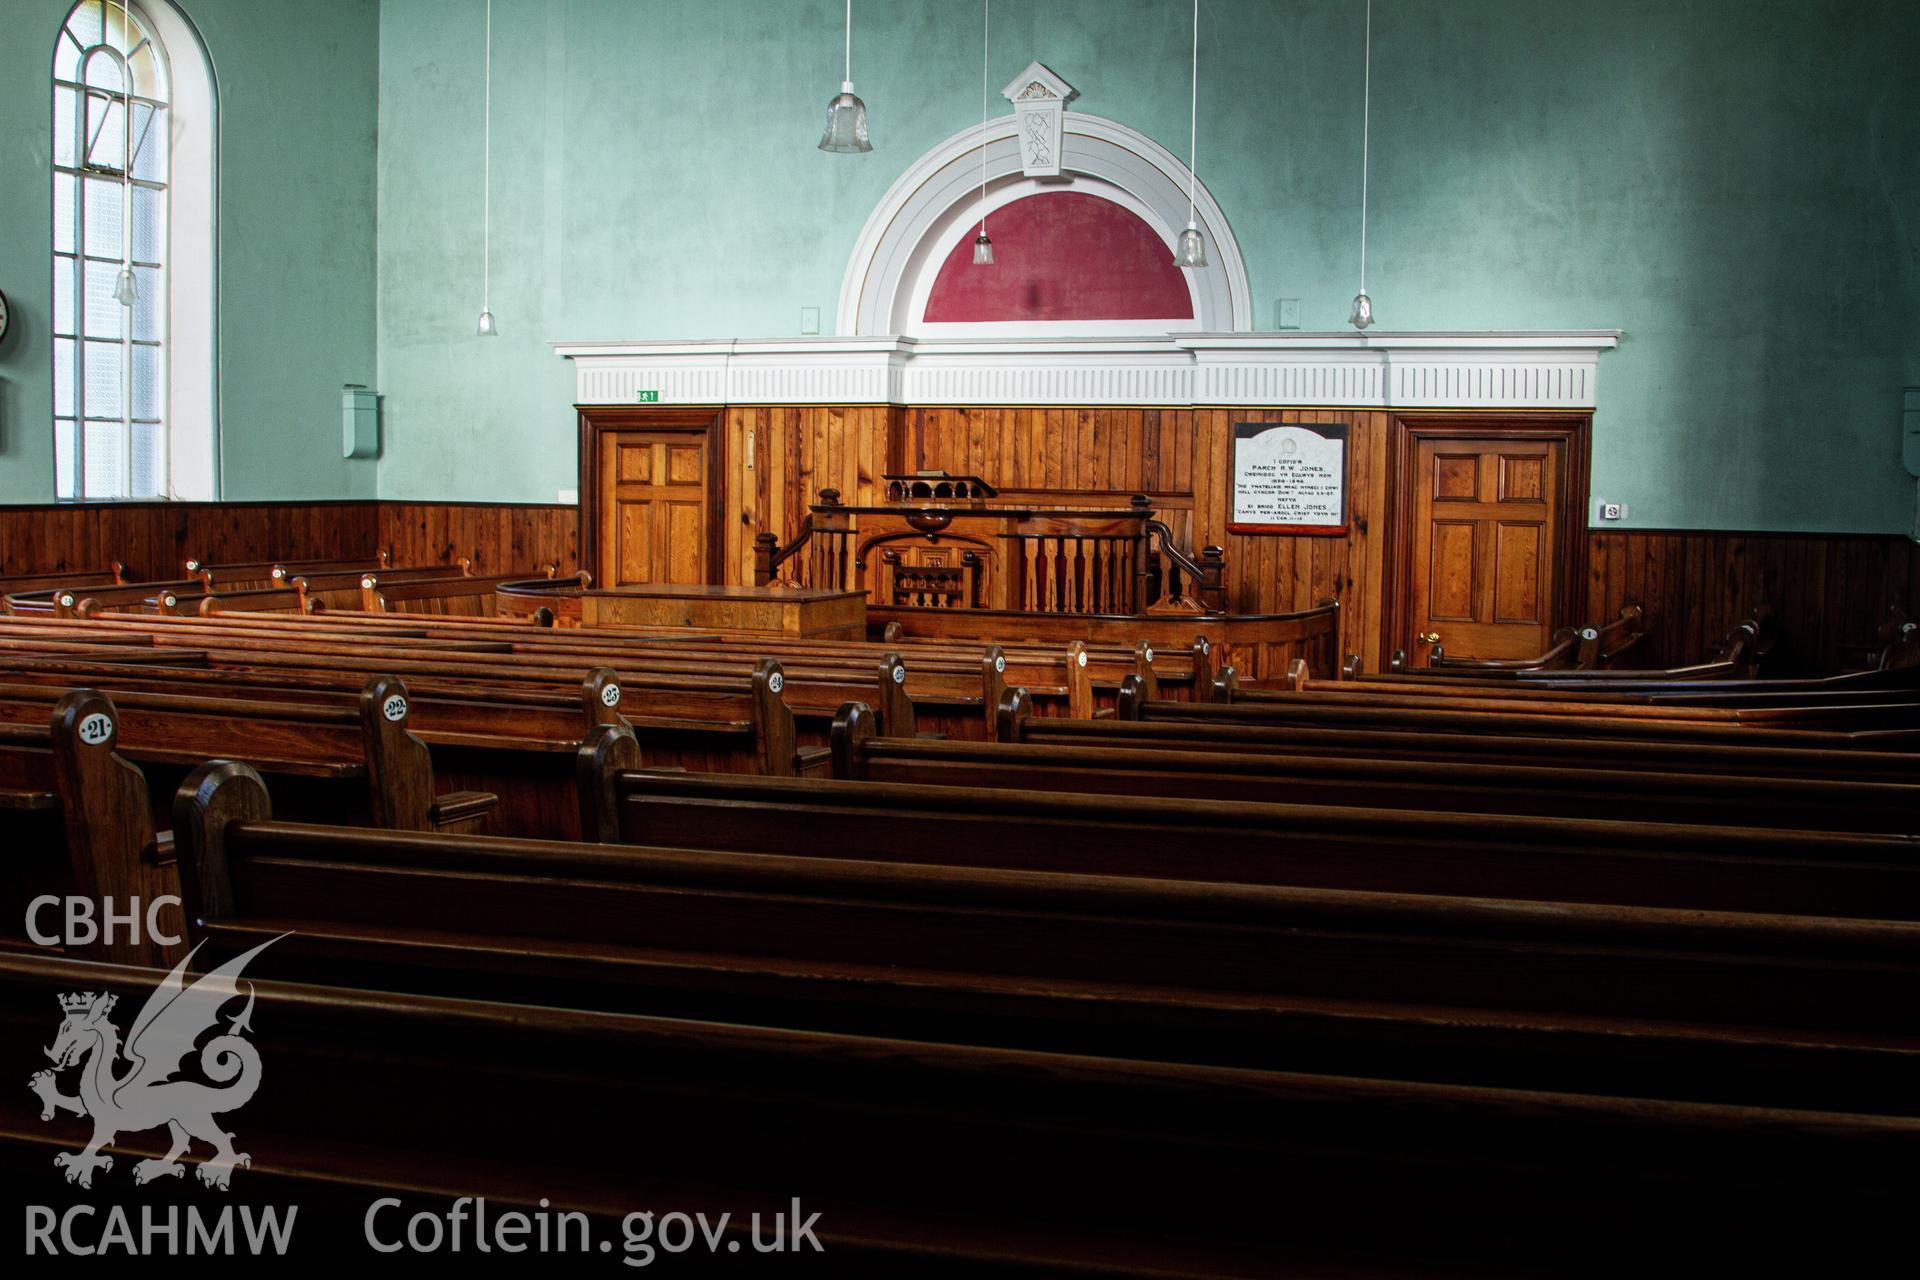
{"type": "Point", "coordinates": [1732, 182]}
{"type": "Point", "coordinates": [298, 86]}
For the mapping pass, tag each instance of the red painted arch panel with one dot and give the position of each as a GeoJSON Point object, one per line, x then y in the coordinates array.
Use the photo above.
{"type": "Point", "coordinates": [1062, 255]}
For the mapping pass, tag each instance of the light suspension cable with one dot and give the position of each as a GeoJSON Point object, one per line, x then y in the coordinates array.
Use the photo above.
{"type": "Point", "coordinates": [1362, 313]}
{"type": "Point", "coordinates": [1191, 251]}
{"type": "Point", "coordinates": [983, 247]}
{"type": "Point", "coordinates": [487, 328]}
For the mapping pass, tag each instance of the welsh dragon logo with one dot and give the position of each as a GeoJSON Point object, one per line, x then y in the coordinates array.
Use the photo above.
{"type": "Point", "coordinates": [145, 1095]}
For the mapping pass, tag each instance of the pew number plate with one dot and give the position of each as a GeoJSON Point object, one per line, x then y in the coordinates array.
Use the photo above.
{"type": "Point", "coordinates": [96, 728]}
{"type": "Point", "coordinates": [394, 708]}
{"type": "Point", "coordinates": [610, 696]}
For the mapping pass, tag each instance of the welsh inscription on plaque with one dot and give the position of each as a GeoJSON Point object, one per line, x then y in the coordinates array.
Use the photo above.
{"type": "Point", "coordinates": [1289, 478]}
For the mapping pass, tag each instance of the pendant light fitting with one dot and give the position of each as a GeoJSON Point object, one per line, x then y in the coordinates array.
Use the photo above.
{"type": "Point", "coordinates": [846, 115]}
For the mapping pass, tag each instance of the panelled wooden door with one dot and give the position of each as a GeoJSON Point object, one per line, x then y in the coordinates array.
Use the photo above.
{"type": "Point", "coordinates": [653, 488]}
{"type": "Point", "coordinates": [1485, 556]}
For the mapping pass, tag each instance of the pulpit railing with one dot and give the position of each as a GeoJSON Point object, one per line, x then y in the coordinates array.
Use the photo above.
{"type": "Point", "coordinates": [1054, 561]}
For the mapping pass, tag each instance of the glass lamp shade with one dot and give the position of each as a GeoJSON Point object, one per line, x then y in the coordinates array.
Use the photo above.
{"type": "Point", "coordinates": [982, 250]}
{"type": "Point", "coordinates": [487, 328]}
{"type": "Point", "coordinates": [1192, 250]}
{"type": "Point", "coordinates": [1362, 311]}
{"type": "Point", "coordinates": [126, 291]}
{"type": "Point", "coordinates": [846, 123]}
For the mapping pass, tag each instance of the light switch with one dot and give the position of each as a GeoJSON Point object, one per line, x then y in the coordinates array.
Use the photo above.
{"type": "Point", "coordinates": [1289, 314]}
{"type": "Point", "coordinates": [809, 319]}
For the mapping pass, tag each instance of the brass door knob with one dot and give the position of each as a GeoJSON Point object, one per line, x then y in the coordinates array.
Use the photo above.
{"type": "Point", "coordinates": [1428, 637]}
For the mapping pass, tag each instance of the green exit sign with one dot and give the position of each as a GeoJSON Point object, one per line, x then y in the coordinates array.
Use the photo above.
{"type": "Point", "coordinates": [649, 397]}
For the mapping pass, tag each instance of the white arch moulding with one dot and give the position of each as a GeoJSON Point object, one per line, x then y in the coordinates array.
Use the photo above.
{"type": "Point", "coordinates": [937, 200]}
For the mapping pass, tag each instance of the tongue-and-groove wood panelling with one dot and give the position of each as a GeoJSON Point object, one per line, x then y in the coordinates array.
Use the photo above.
{"type": "Point", "coordinates": [1068, 457]}
{"type": "Point", "coordinates": [155, 539]}
{"type": "Point", "coordinates": [1830, 591]}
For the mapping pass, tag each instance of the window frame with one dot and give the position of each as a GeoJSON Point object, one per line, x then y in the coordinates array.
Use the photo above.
{"type": "Point", "coordinates": [167, 156]}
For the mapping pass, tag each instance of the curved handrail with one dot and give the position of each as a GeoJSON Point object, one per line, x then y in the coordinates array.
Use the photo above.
{"type": "Point", "coordinates": [769, 555]}
{"type": "Point", "coordinates": [1208, 572]}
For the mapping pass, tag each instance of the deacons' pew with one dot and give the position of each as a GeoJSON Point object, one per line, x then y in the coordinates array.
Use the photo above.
{"type": "Point", "coordinates": [77, 823]}
{"type": "Point", "coordinates": [998, 824]}
{"type": "Point", "coordinates": [1216, 772]}
{"type": "Point", "coordinates": [1097, 1163]}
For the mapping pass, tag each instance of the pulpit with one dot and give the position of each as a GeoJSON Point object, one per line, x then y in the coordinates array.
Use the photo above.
{"type": "Point", "coordinates": [943, 542]}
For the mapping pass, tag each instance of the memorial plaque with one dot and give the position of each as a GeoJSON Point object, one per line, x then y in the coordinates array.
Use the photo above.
{"type": "Point", "coordinates": [1289, 478]}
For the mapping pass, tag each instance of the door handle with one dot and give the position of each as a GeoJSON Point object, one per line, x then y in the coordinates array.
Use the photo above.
{"type": "Point", "coordinates": [1428, 637]}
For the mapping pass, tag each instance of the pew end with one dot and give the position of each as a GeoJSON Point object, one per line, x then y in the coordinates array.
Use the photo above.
{"type": "Point", "coordinates": [993, 683]}
{"type": "Point", "coordinates": [892, 705]}
{"type": "Point", "coordinates": [853, 725]}
{"type": "Point", "coordinates": [1010, 714]}
{"type": "Point", "coordinates": [600, 695]}
{"type": "Point", "coordinates": [400, 770]}
{"type": "Point", "coordinates": [214, 796]}
{"type": "Point", "coordinates": [1202, 665]}
{"type": "Point", "coordinates": [780, 755]}
{"type": "Point", "coordinates": [609, 749]}
{"type": "Point", "coordinates": [1079, 682]}
{"type": "Point", "coordinates": [1143, 667]}
{"type": "Point", "coordinates": [113, 851]}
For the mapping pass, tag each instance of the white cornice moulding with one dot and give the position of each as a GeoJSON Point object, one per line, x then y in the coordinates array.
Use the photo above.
{"type": "Point", "coordinates": [1537, 369]}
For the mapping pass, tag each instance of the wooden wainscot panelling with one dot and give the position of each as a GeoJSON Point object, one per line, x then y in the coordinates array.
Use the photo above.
{"type": "Point", "coordinates": [497, 538]}
{"type": "Point", "coordinates": [1829, 592]}
{"type": "Point", "coordinates": [155, 539]}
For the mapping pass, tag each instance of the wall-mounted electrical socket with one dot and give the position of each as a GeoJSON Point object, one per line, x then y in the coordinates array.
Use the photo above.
{"type": "Point", "coordinates": [1289, 314]}
{"type": "Point", "coordinates": [569, 497]}
{"type": "Point", "coordinates": [1604, 510]}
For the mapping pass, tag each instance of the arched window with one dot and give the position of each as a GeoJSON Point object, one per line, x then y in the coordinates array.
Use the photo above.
{"type": "Point", "coordinates": [120, 313]}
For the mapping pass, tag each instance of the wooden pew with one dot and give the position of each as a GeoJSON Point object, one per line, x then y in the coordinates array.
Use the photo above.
{"type": "Point", "coordinates": [1833, 707]}
{"type": "Point", "coordinates": [455, 596]}
{"type": "Point", "coordinates": [1112, 1165]}
{"type": "Point", "coordinates": [949, 688]}
{"type": "Point", "coordinates": [1888, 726]}
{"type": "Point", "coordinates": [863, 753]}
{"type": "Point", "coordinates": [251, 574]}
{"type": "Point", "coordinates": [1740, 654]}
{"type": "Point", "coordinates": [685, 692]}
{"type": "Point", "coordinates": [1769, 757]}
{"type": "Point", "coordinates": [1251, 975]}
{"type": "Point", "coordinates": [1004, 822]}
{"type": "Point", "coordinates": [78, 823]}
{"type": "Point", "coordinates": [112, 575]}
{"type": "Point", "coordinates": [367, 746]}
{"type": "Point", "coordinates": [1593, 646]}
